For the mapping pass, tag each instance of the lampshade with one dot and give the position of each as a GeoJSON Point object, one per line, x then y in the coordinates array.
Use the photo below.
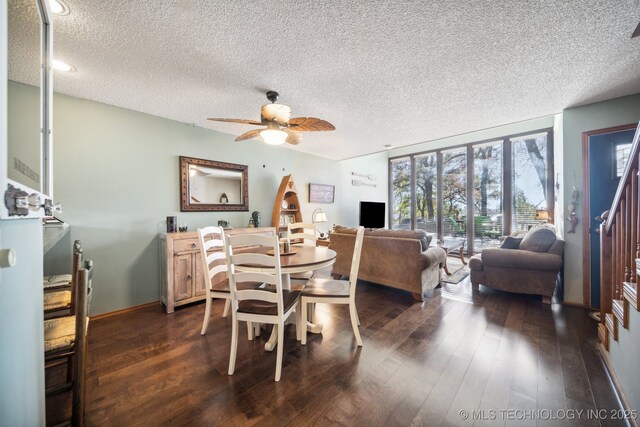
{"type": "Point", "coordinates": [273, 136]}
{"type": "Point", "coordinates": [319, 216]}
{"type": "Point", "coordinates": [542, 215]}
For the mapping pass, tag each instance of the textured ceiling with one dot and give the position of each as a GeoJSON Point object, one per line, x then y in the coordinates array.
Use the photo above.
{"type": "Point", "coordinates": [383, 72]}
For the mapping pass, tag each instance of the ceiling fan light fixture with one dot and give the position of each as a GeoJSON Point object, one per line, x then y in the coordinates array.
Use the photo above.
{"type": "Point", "coordinates": [274, 136]}
{"type": "Point", "coordinates": [62, 66]}
{"type": "Point", "coordinates": [59, 7]}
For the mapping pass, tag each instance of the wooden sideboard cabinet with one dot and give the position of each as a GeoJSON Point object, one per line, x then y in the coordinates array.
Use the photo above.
{"type": "Point", "coordinates": [182, 276]}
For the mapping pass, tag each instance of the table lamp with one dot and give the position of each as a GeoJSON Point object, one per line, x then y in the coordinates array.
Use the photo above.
{"type": "Point", "coordinates": [319, 216]}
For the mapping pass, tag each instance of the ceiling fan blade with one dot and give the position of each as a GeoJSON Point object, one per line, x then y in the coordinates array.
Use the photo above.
{"type": "Point", "coordinates": [243, 121]}
{"type": "Point", "coordinates": [294, 138]}
{"type": "Point", "coordinates": [310, 124]}
{"type": "Point", "coordinates": [636, 33]}
{"type": "Point", "coordinates": [251, 134]}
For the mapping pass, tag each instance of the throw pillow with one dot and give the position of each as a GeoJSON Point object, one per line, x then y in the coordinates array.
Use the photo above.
{"type": "Point", "coordinates": [511, 243]}
{"type": "Point", "coordinates": [539, 239]}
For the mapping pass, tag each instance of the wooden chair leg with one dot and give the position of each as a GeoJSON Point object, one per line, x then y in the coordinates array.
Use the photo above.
{"type": "Point", "coordinates": [250, 331]}
{"type": "Point", "coordinates": [207, 317]}
{"type": "Point", "coordinates": [354, 323]}
{"type": "Point", "coordinates": [227, 306]}
{"type": "Point", "coordinates": [77, 410]}
{"type": "Point", "coordinates": [234, 345]}
{"type": "Point", "coordinates": [303, 325]}
{"type": "Point", "coordinates": [279, 351]}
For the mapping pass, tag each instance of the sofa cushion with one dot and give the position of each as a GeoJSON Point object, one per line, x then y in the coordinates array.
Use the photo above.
{"type": "Point", "coordinates": [421, 235]}
{"type": "Point", "coordinates": [511, 243]}
{"type": "Point", "coordinates": [539, 239]}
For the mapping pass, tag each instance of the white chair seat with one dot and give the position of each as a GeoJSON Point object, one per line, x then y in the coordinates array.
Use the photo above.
{"type": "Point", "coordinates": [332, 291]}
{"type": "Point", "coordinates": [327, 288]}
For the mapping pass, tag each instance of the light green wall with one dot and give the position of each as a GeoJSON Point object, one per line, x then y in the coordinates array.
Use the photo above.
{"type": "Point", "coordinates": [619, 111]}
{"type": "Point", "coordinates": [116, 174]}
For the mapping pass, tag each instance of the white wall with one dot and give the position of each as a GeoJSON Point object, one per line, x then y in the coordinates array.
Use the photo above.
{"type": "Point", "coordinates": [350, 196]}
{"type": "Point", "coordinates": [481, 135]}
{"type": "Point", "coordinates": [21, 326]}
{"type": "Point", "coordinates": [624, 357]}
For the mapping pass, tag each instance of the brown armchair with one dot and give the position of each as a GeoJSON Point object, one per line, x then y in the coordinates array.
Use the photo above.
{"type": "Point", "coordinates": [529, 266]}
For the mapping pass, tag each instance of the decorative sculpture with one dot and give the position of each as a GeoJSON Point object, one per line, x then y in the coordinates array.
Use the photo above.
{"type": "Point", "coordinates": [573, 216]}
{"type": "Point", "coordinates": [255, 216]}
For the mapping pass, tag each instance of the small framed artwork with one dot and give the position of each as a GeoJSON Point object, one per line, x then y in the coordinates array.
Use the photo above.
{"type": "Point", "coordinates": [321, 193]}
{"type": "Point", "coordinates": [291, 219]}
{"type": "Point", "coordinates": [283, 220]}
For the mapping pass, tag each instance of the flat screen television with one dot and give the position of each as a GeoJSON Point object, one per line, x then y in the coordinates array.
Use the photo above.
{"type": "Point", "coordinates": [372, 214]}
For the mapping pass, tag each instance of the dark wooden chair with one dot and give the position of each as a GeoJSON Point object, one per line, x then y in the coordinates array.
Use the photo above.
{"type": "Point", "coordinates": [59, 293]}
{"type": "Point", "coordinates": [66, 343]}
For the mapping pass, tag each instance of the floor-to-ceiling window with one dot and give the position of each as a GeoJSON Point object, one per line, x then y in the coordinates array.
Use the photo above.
{"type": "Point", "coordinates": [530, 174]}
{"type": "Point", "coordinates": [477, 192]}
{"type": "Point", "coordinates": [426, 183]}
{"type": "Point", "coordinates": [454, 192]}
{"type": "Point", "coordinates": [400, 177]}
{"type": "Point", "coordinates": [487, 195]}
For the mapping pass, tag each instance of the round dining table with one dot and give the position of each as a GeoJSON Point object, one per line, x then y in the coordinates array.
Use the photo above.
{"type": "Point", "coordinates": [306, 258]}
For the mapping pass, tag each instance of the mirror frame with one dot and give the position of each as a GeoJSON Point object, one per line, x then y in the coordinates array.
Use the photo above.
{"type": "Point", "coordinates": [29, 202]}
{"type": "Point", "coordinates": [187, 206]}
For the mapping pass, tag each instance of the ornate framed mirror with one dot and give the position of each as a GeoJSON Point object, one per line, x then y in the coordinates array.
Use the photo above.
{"type": "Point", "coordinates": [209, 186]}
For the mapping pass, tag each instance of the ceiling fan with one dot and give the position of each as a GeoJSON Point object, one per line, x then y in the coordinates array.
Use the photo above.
{"type": "Point", "coordinates": [280, 127]}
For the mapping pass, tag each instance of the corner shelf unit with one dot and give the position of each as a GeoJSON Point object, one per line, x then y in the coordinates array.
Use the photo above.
{"type": "Point", "coordinates": [289, 194]}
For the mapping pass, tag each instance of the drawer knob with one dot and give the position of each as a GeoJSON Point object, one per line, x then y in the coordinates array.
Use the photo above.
{"type": "Point", "coordinates": [189, 277]}
{"type": "Point", "coordinates": [193, 245]}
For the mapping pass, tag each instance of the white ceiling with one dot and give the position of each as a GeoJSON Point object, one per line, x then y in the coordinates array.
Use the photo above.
{"type": "Point", "coordinates": [383, 72]}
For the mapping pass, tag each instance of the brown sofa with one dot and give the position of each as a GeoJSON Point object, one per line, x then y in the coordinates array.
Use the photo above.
{"type": "Point", "coordinates": [401, 259]}
{"type": "Point", "coordinates": [527, 265]}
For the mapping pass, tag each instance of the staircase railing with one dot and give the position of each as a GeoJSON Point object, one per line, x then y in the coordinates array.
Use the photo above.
{"type": "Point", "coordinates": [620, 240]}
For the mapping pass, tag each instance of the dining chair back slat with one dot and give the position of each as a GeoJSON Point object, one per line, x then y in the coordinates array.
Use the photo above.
{"type": "Point", "coordinates": [302, 230]}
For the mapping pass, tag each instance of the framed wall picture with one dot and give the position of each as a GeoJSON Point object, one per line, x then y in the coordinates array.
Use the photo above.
{"type": "Point", "coordinates": [321, 193]}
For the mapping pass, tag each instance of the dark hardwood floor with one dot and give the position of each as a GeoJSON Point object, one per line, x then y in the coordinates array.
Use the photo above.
{"type": "Point", "coordinates": [421, 364]}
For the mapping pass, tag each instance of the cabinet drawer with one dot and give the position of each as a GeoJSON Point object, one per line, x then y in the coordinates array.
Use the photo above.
{"type": "Point", "coordinates": [186, 245]}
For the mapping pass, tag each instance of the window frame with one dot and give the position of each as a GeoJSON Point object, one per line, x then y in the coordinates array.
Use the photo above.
{"type": "Point", "coordinates": [507, 180]}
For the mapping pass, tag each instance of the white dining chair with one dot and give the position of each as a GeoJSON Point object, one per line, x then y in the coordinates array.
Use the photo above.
{"type": "Point", "coordinates": [305, 234]}
{"type": "Point", "coordinates": [215, 266]}
{"type": "Point", "coordinates": [272, 304]}
{"type": "Point", "coordinates": [332, 291]}
{"type": "Point", "coordinates": [301, 230]}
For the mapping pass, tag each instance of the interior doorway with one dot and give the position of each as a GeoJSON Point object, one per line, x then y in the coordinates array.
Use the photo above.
{"type": "Point", "coordinates": [604, 154]}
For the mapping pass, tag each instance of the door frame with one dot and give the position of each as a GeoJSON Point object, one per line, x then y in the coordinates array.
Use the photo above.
{"type": "Point", "coordinates": [586, 207]}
